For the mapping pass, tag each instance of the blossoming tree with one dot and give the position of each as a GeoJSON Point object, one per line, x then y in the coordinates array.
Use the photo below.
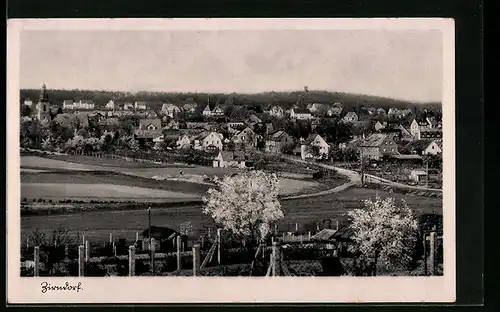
{"type": "Point", "coordinates": [384, 232]}
{"type": "Point", "coordinates": [246, 204]}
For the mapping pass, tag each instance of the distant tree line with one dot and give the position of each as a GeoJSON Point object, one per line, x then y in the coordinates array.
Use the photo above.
{"type": "Point", "coordinates": [253, 102]}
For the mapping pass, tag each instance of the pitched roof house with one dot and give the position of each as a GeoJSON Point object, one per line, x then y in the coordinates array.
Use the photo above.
{"type": "Point", "coordinates": [141, 105]}
{"type": "Point", "coordinates": [246, 137]}
{"type": "Point", "coordinates": [110, 104]}
{"type": "Point", "coordinates": [184, 141]}
{"type": "Point", "coordinates": [209, 141]}
{"type": "Point", "coordinates": [300, 114]}
{"type": "Point", "coordinates": [149, 129]}
{"type": "Point", "coordinates": [277, 141]}
{"type": "Point", "coordinates": [316, 107]}
{"type": "Point", "coordinates": [350, 117]}
{"type": "Point", "coordinates": [189, 106]}
{"type": "Point", "coordinates": [424, 147]}
{"type": "Point", "coordinates": [276, 111]}
{"type": "Point", "coordinates": [314, 141]}
{"type": "Point", "coordinates": [170, 110]}
{"type": "Point", "coordinates": [227, 159]}
{"type": "Point", "coordinates": [335, 110]}
{"type": "Point", "coordinates": [378, 145]}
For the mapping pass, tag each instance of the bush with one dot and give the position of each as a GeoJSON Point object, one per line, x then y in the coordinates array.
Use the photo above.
{"type": "Point", "coordinates": [318, 175]}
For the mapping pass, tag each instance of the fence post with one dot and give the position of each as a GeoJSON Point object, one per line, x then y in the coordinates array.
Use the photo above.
{"type": "Point", "coordinates": [196, 260]}
{"type": "Point", "coordinates": [433, 253]}
{"type": "Point", "coordinates": [153, 252]}
{"type": "Point", "coordinates": [83, 240]}
{"type": "Point", "coordinates": [87, 251]}
{"type": "Point", "coordinates": [219, 243]}
{"type": "Point", "coordinates": [81, 261]}
{"type": "Point", "coordinates": [309, 235]}
{"type": "Point", "coordinates": [275, 260]}
{"type": "Point", "coordinates": [426, 272]}
{"type": "Point", "coordinates": [37, 261]}
{"type": "Point", "coordinates": [296, 227]}
{"type": "Point", "coordinates": [110, 238]}
{"type": "Point", "coordinates": [179, 252]}
{"type": "Point", "coordinates": [131, 260]}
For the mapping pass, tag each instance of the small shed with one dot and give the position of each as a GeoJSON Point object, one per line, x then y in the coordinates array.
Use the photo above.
{"type": "Point", "coordinates": [164, 238]}
{"type": "Point", "coordinates": [418, 175]}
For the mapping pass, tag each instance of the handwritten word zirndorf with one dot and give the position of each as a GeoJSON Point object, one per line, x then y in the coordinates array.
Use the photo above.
{"type": "Point", "coordinates": [66, 287]}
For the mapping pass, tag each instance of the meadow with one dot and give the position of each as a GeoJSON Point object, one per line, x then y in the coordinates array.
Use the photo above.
{"type": "Point", "coordinates": [97, 225]}
{"type": "Point", "coordinates": [79, 180]}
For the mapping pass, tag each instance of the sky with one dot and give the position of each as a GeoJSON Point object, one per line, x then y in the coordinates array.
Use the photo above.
{"type": "Point", "coordinates": [398, 64]}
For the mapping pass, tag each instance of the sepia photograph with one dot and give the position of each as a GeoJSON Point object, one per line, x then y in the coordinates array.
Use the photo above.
{"type": "Point", "coordinates": [216, 149]}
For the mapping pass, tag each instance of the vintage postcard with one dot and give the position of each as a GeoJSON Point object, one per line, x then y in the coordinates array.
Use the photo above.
{"type": "Point", "coordinates": [231, 160]}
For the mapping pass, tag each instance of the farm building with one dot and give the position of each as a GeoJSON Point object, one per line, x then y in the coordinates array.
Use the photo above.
{"type": "Point", "coordinates": [418, 175]}
{"type": "Point", "coordinates": [334, 239]}
{"type": "Point", "coordinates": [377, 146]}
{"type": "Point", "coordinates": [227, 159]}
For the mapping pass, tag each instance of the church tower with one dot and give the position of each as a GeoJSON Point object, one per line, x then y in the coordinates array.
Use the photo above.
{"type": "Point", "coordinates": [43, 106]}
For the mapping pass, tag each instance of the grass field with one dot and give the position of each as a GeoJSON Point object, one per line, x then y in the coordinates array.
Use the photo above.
{"type": "Point", "coordinates": [58, 191]}
{"type": "Point", "coordinates": [97, 225]}
{"type": "Point", "coordinates": [109, 162]}
{"type": "Point", "coordinates": [44, 170]}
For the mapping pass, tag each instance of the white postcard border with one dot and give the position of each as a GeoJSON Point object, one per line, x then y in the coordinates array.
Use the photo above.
{"type": "Point", "coordinates": [239, 289]}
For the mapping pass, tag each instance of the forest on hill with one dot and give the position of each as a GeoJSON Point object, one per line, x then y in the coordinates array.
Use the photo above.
{"type": "Point", "coordinates": [264, 99]}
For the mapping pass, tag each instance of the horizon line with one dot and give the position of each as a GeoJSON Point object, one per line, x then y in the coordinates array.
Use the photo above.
{"type": "Point", "coordinates": [242, 93]}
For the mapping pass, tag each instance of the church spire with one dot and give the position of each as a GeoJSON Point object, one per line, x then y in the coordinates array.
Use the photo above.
{"type": "Point", "coordinates": [44, 97]}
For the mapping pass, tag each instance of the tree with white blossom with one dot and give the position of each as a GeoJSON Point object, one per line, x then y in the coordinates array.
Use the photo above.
{"type": "Point", "coordinates": [384, 232]}
{"type": "Point", "coordinates": [246, 204]}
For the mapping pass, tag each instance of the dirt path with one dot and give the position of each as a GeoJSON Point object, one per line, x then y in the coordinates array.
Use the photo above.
{"type": "Point", "coordinates": [355, 178]}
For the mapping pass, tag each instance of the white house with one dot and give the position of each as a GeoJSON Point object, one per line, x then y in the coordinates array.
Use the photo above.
{"type": "Point", "coordinates": [110, 104]}
{"type": "Point", "coordinates": [28, 102]}
{"type": "Point", "coordinates": [170, 110]}
{"type": "Point", "coordinates": [300, 114]}
{"type": "Point", "coordinates": [140, 105]}
{"type": "Point", "coordinates": [128, 106]}
{"type": "Point", "coordinates": [209, 140]}
{"type": "Point", "coordinates": [276, 111]}
{"type": "Point", "coordinates": [246, 137]}
{"type": "Point", "coordinates": [379, 126]}
{"type": "Point", "coordinates": [207, 111]}
{"type": "Point", "coordinates": [316, 107]}
{"type": "Point", "coordinates": [314, 141]}
{"type": "Point", "coordinates": [350, 117]}
{"type": "Point", "coordinates": [425, 147]}
{"type": "Point", "coordinates": [184, 142]}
